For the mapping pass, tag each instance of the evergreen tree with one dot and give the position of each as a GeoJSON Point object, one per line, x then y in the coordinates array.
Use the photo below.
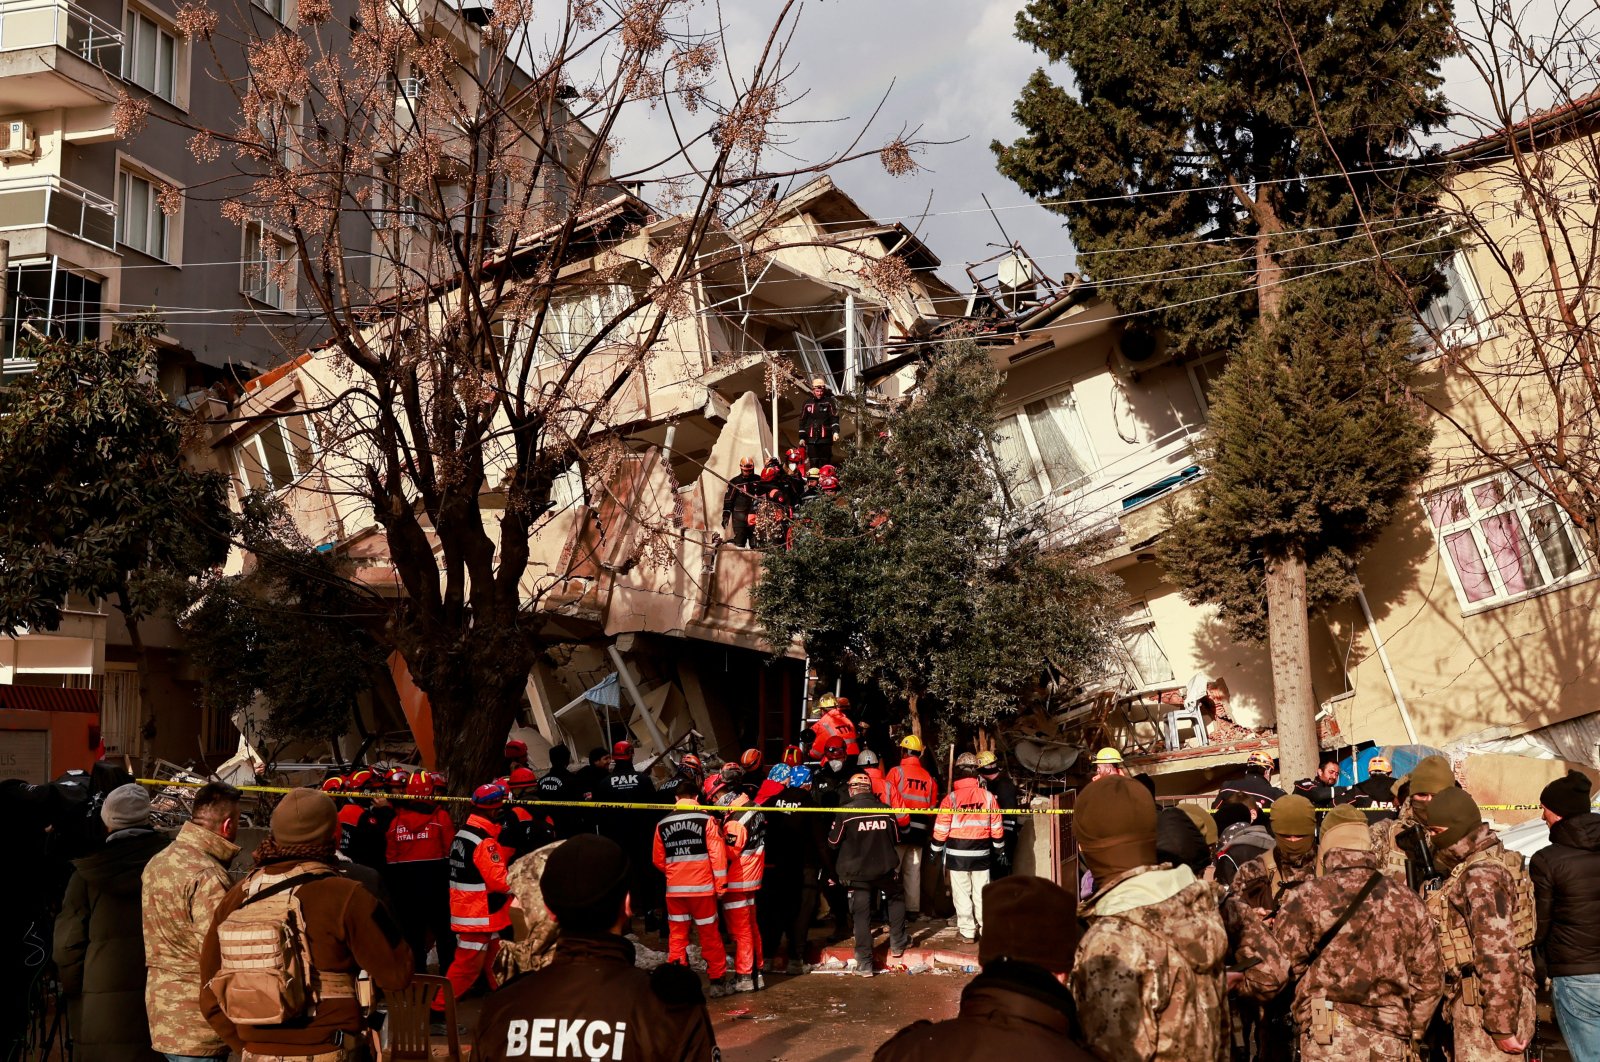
{"type": "Point", "coordinates": [1234, 173]}
{"type": "Point", "coordinates": [912, 581]}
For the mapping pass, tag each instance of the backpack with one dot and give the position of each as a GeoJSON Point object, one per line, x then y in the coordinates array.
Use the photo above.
{"type": "Point", "coordinates": [1455, 939]}
{"type": "Point", "coordinates": [266, 976]}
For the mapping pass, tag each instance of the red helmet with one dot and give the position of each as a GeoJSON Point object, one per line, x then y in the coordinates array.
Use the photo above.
{"type": "Point", "coordinates": [834, 749]}
{"type": "Point", "coordinates": [769, 474]}
{"type": "Point", "coordinates": [713, 785]}
{"type": "Point", "coordinates": [828, 484]}
{"type": "Point", "coordinates": [440, 782]}
{"type": "Point", "coordinates": [521, 778]}
{"type": "Point", "coordinates": [420, 785]}
{"type": "Point", "coordinates": [489, 795]}
{"type": "Point", "coordinates": [692, 762]}
{"type": "Point", "coordinates": [795, 455]}
{"type": "Point", "coordinates": [361, 780]}
{"type": "Point", "coordinates": [829, 470]}
{"type": "Point", "coordinates": [622, 750]}
{"type": "Point", "coordinates": [333, 785]}
{"type": "Point", "coordinates": [397, 780]}
{"type": "Point", "coordinates": [792, 756]}
{"type": "Point", "coordinates": [517, 750]}
{"type": "Point", "coordinates": [751, 760]}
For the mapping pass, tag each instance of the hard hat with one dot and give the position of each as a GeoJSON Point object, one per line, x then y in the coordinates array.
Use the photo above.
{"type": "Point", "coordinates": [817, 381]}
{"type": "Point", "coordinates": [769, 474]}
{"type": "Point", "coordinates": [827, 700]}
{"type": "Point", "coordinates": [751, 760]}
{"type": "Point", "coordinates": [516, 750]}
{"type": "Point", "coordinates": [1260, 758]}
{"type": "Point", "coordinates": [868, 758]}
{"type": "Point", "coordinates": [987, 760]}
{"type": "Point", "coordinates": [1379, 765]}
{"type": "Point", "coordinates": [793, 756]}
{"type": "Point", "coordinates": [691, 762]}
{"type": "Point", "coordinates": [622, 750]}
{"type": "Point", "coordinates": [828, 484]}
{"type": "Point", "coordinates": [800, 777]}
{"type": "Point", "coordinates": [834, 749]}
{"type": "Point", "coordinates": [421, 784]}
{"type": "Point", "coordinates": [747, 463]}
{"type": "Point", "coordinates": [489, 795]}
{"type": "Point", "coordinates": [780, 773]}
{"type": "Point", "coordinates": [911, 743]}
{"type": "Point", "coordinates": [841, 701]}
{"type": "Point", "coordinates": [1108, 755]}
{"type": "Point", "coordinates": [333, 785]}
{"type": "Point", "coordinates": [522, 778]}
{"type": "Point", "coordinates": [829, 470]}
{"type": "Point", "coordinates": [966, 759]}
{"type": "Point", "coordinates": [813, 473]}
{"type": "Point", "coordinates": [859, 783]}
{"type": "Point", "coordinates": [440, 782]}
{"type": "Point", "coordinates": [397, 780]}
{"type": "Point", "coordinates": [794, 455]}
{"type": "Point", "coordinates": [362, 779]}
{"type": "Point", "coordinates": [713, 785]}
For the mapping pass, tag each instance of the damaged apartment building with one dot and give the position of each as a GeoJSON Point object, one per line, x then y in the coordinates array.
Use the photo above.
{"type": "Point", "coordinates": [652, 611]}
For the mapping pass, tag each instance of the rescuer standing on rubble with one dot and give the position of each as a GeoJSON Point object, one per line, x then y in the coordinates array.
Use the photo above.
{"type": "Point", "coordinates": [819, 423]}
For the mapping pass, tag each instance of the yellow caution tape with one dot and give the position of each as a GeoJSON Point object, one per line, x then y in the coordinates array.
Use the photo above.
{"type": "Point", "coordinates": [164, 782]}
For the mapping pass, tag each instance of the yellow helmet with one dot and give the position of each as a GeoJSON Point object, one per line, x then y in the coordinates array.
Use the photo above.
{"type": "Point", "coordinates": [1108, 755]}
{"type": "Point", "coordinates": [1379, 765]}
{"type": "Point", "coordinates": [987, 759]}
{"type": "Point", "coordinates": [827, 700]}
{"type": "Point", "coordinates": [1260, 758]}
{"type": "Point", "coordinates": [911, 743]}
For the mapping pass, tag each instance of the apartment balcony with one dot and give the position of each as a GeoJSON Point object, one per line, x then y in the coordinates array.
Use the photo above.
{"type": "Point", "coordinates": [1119, 500]}
{"type": "Point", "coordinates": [49, 216]}
{"type": "Point", "coordinates": [56, 54]}
{"type": "Point", "coordinates": [412, 122]}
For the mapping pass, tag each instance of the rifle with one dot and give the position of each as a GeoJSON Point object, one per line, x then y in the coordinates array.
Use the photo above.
{"type": "Point", "coordinates": [1420, 869]}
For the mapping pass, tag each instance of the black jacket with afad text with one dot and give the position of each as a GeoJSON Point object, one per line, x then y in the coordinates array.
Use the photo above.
{"type": "Point", "coordinates": [592, 1002]}
{"type": "Point", "coordinates": [864, 835]}
{"type": "Point", "coordinates": [1566, 894]}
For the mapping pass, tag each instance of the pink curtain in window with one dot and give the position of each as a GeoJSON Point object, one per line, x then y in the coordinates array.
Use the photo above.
{"type": "Point", "coordinates": [1509, 551]}
{"type": "Point", "coordinates": [1475, 583]}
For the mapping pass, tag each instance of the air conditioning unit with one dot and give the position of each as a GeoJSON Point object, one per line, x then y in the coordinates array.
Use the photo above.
{"type": "Point", "coordinates": [17, 141]}
{"type": "Point", "coordinates": [1139, 350]}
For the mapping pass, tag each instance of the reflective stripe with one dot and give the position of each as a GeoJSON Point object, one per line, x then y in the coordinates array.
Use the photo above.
{"type": "Point", "coordinates": [702, 889]}
{"type": "Point", "coordinates": [738, 903]}
{"type": "Point", "coordinates": [467, 886]}
{"type": "Point", "coordinates": [679, 918]}
{"type": "Point", "coordinates": [744, 886]}
{"type": "Point", "coordinates": [701, 858]}
{"type": "Point", "coordinates": [706, 921]}
{"type": "Point", "coordinates": [459, 921]}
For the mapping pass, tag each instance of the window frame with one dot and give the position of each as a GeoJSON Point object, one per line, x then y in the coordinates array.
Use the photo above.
{"type": "Point", "coordinates": [1137, 619]}
{"type": "Point", "coordinates": [247, 262]}
{"type": "Point", "coordinates": [132, 16]}
{"type": "Point", "coordinates": [1019, 414]}
{"type": "Point", "coordinates": [256, 444]}
{"type": "Point", "coordinates": [280, 16]}
{"type": "Point", "coordinates": [1458, 336]}
{"type": "Point", "coordinates": [1518, 497]}
{"type": "Point", "coordinates": [171, 225]}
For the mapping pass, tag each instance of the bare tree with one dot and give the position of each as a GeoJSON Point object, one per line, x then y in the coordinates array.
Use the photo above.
{"type": "Point", "coordinates": [443, 189]}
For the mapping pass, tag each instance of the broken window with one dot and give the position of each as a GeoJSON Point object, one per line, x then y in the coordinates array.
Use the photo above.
{"type": "Point", "coordinates": [1044, 449]}
{"type": "Point", "coordinates": [573, 321]}
{"type": "Point", "coordinates": [1147, 662]}
{"type": "Point", "coordinates": [277, 455]}
{"type": "Point", "coordinates": [1502, 538]}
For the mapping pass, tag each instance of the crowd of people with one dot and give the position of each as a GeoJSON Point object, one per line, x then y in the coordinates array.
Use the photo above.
{"type": "Point", "coordinates": [1378, 921]}
{"type": "Point", "coordinates": [759, 508]}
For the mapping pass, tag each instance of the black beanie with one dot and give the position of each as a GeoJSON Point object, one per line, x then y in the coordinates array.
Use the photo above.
{"type": "Point", "coordinates": [1231, 814]}
{"type": "Point", "coordinates": [1567, 796]}
{"type": "Point", "coordinates": [584, 883]}
{"type": "Point", "coordinates": [560, 757]}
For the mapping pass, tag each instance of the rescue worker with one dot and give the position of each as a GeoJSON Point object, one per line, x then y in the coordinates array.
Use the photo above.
{"type": "Point", "coordinates": [1402, 842]}
{"type": "Point", "coordinates": [1375, 793]}
{"type": "Point", "coordinates": [522, 829]}
{"type": "Point", "coordinates": [590, 1001]}
{"type": "Point", "coordinates": [632, 828]}
{"type": "Point", "coordinates": [863, 839]}
{"type": "Point", "coordinates": [1371, 989]}
{"type": "Point", "coordinates": [911, 786]}
{"type": "Point", "coordinates": [558, 784]}
{"type": "Point", "coordinates": [739, 504]}
{"type": "Point", "coordinates": [1252, 780]}
{"type": "Point", "coordinates": [1148, 978]}
{"type": "Point", "coordinates": [790, 887]}
{"type": "Point", "coordinates": [1006, 795]}
{"type": "Point", "coordinates": [516, 755]}
{"type": "Point", "coordinates": [1322, 789]}
{"type": "Point", "coordinates": [1108, 762]}
{"type": "Point", "coordinates": [968, 835]}
{"type": "Point", "coordinates": [360, 841]}
{"type": "Point", "coordinates": [745, 832]}
{"type": "Point", "coordinates": [346, 930]}
{"type": "Point", "coordinates": [1484, 911]}
{"type": "Point", "coordinates": [867, 763]}
{"type": "Point", "coordinates": [592, 779]}
{"type": "Point", "coordinates": [829, 721]}
{"type": "Point", "coordinates": [1019, 1007]}
{"type": "Point", "coordinates": [1265, 881]}
{"type": "Point", "coordinates": [819, 423]}
{"type": "Point", "coordinates": [416, 872]}
{"type": "Point", "coordinates": [480, 896]}
{"type": "Point", "coordinates": [689, 849]}
{"type": "Point", "coordinates": [833, 775]}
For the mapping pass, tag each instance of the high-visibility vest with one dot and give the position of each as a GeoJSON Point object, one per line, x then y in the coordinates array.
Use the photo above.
{"type": "Point", "coordinates": [833, 724]}
{"type": "Point", "coordinates": [911, 786]}
{"type": "Point", "coordinates": [479, 900]}
{"type": "Point", "coordinates": [690, 850]}
{"type": "Point", "coordinates": [747, 850]}
{"type": "Point", "coordinates": [418, 836]}
{"type": "Point", "coordinates": [969, 828]}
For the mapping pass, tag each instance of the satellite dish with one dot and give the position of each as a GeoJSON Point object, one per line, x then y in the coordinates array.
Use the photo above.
{"type": "Point", "coordinates": [1044, 757]}
{"type": "Point", "coordinates": [1198, 690]}
{"type": "Point", "coordinates": [1014, 271]}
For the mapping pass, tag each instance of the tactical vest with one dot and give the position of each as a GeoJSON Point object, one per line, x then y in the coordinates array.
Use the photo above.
{"type": "Point", "coordinates": [1455, 939]}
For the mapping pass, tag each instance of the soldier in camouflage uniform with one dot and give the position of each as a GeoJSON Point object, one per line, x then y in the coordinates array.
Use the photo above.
{"type": "Point", "coordinates": [1373, 990]}
{"type": "Point", "coordinates": [1400, 842]}
{"type": "Point", "coordinates": [1484, 912]}
{"type": "Point", "coordinates": [1148, 980]}
{"type": "Point", "coordinates": [535, 945]}
{"type": "Point", "coordinates": [1265, 881]}
{"type": "Point", "coordinates": [179, 892]}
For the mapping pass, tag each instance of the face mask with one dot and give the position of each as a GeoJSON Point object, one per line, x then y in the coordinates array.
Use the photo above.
{"type": "Point", "coordinates": [1296, 852]}
{"type": "Point", "coordinates": [835, 765]}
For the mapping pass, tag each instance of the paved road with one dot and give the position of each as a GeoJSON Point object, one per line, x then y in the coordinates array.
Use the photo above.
{"type": "Point", "coordinates": [829, 1017]}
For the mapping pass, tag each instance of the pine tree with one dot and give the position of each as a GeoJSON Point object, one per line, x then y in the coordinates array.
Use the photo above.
{"type": "Point", "coordinates": [1232, 173]}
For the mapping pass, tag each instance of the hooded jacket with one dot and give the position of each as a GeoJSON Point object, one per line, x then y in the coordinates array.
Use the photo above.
{"type": "Point", "coordinates": [864, 835]}
{"type": "Point", "coordinates": [1148, 979]}
{"type": "Point", "coordinates": [99, 949]}
{"type": "Point", "coordinates": [1011, 1010]}
{"type": "Point", "coordinates": [1566, 893]}
{"type": "Point", "coordinates": [182, 886]}
{"type": "Point", "coordinates": [1239, 845]}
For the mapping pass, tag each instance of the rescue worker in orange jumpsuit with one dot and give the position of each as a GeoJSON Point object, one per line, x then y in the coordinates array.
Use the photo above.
{"type": "Point", "coordinates": [522, 829]}
{"type": "Point", "coordinates": [480, 896]}
{"type": "Point", "coordinates": [831, 722]}
{"type": "Point", "coordinates": [415, 872]}
{"type": "Point", "coordinates": [868, 764]}
{"type": "Point", "coordinates": [969, 834]}
{"type": "Point", "coordinates": [745, 830]}
{"type": "Point", "coordinates": [690, 850]}
{"type": "Point", "coordinates": [911, 786]}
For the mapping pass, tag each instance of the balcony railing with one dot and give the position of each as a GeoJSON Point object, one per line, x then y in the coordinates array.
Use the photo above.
{"type": "Point", "coordinates": [60, 205]}
{"type": "Point", "coordinates": [1094, 503]}
{"type": "Point", "coordinates": [41, 23]}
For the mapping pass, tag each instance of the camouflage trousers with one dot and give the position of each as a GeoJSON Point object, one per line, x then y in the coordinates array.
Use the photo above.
{"type": "Point", "coordinates": [1354, 1043]}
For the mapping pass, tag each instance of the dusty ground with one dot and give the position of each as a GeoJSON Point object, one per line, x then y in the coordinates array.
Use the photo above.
{"type": "Point", "coordinates": [822, 1017]}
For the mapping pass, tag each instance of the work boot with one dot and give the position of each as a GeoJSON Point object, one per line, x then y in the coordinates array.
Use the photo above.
{"type": "Point", "coordinates": [718, 989]}
{"type": "Point", "coordinates": [745, 983]}
{"type": "Point", "coordinates": [780, 964]}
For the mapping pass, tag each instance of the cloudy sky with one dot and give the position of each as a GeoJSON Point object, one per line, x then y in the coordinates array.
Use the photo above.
{"type": "Point", "coordinates": [952, 70]}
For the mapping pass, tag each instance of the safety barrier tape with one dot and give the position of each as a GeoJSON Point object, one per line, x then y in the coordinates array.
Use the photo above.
{"type": "Point", "coordinates": [165, 782]}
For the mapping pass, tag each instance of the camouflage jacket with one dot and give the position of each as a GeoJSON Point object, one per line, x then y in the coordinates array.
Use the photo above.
{"type": "Point", "coordinates": [1381, 970]}
{"type": "Point", "coordinates": [1253, 948]}
{"type": "Point", "coordinates": [536, 932]}
{"type": "Point", "coordinates": [1254, 884]}
{"type": "Point", "coordinates": [1392, 859]}
{"type": "Point", "coordinates": [1148, 980]}
{"type": "Point", "coordinates": [180, 890]}
{"type": "Point", "coordinates": [1483, 896]}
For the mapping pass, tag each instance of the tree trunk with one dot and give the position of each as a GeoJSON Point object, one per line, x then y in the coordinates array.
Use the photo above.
{"type": "Point", "coordinates": [141, 666]}
{"type": "Point", "coordinates": [916, 716]}
{"type": "Point", "coordinates": [1289, 643]}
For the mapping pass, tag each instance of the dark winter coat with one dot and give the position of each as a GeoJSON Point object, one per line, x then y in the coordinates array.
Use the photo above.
{"type": "Point", "coordinates": [830, 786]}
{"type": "Point", "coordinates": [819, 419]}
{"type": "Point", "coordinates": [1179, 841]}
{"type": "Point", "coordinates": [99, 950]}
{"type": "Point", "coordinates": [1375, 796]}
{"type": "Point", "coordinates": [1566, 892]}
{"type": "Point", "coordinates": [1238, 846]}
{"type": "Point", "coordinates": [1011, 1011]}
{"type": "Point", "coordinates": [739, 500]}
{"type": "Point", "coordinates": [864, 835]}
